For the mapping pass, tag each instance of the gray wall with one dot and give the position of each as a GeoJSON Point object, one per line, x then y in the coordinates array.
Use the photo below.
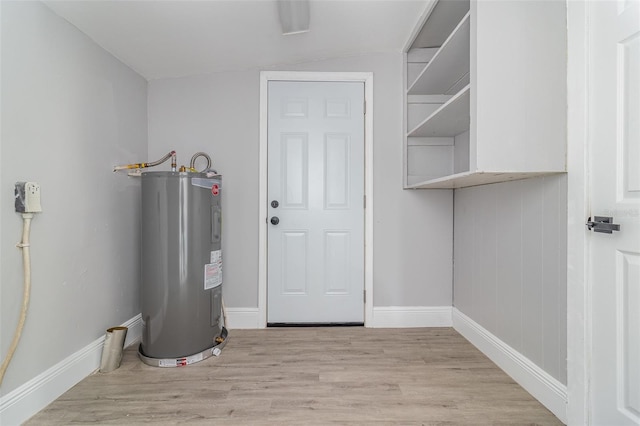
{"type": "Point", "coordinates": [70, 111]}
{"type": "Point", "coordinates": [219, 114]}
{"type": "Point", "coordinates": [510, 265]}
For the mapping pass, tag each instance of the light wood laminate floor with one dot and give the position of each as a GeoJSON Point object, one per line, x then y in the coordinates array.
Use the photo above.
{"type": "Point", "coordinates": [304, 376]}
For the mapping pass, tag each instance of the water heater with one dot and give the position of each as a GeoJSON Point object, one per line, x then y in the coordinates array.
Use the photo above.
{"type": "Point", "coordinates": [181, 268]}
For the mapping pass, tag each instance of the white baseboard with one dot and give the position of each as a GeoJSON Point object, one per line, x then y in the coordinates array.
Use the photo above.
{"type": "Point", "coordinates": [383, 317]}
{"type": "Point", "coordinates": [22, 403]}
{"type": "Point", "coordinates": [243, 318]}
{"type": "Point", "coordinates": [546, 389]}
{"type": "Point", "coordinates": [411, 316]}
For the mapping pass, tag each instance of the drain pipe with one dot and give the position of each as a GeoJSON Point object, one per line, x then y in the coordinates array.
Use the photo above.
{"type": "Point", "coordinates": [112, 349]}
{"type": "Point", "coordinates": [224, 313]}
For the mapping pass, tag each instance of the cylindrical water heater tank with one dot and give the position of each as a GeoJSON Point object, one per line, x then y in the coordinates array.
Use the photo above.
{"type": "Point", "coordinates": [181, 287]}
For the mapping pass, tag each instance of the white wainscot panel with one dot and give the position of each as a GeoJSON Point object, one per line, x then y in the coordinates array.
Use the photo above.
{"type": "Point", "coordinates": [294, 262]}
{"type": "Point", "coordinates": [336, 176]}
{"type": "Point", "coordinates": [628, 278]}
{"type": "Point", "coordinates": [295, 173]}
{"type": "Point", "coordinates": [336, 246]}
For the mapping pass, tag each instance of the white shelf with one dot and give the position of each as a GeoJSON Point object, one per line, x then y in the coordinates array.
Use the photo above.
{"type": "Point", "coordinates": [442, 20]}
{"type": "Point", "coordinates": [451, 119]}
{"type": "Point", "coordinates": [449, 68]}
{"type": "Point", "coordinates": [466, 179]}
{"type": "Point", "coordinates": [428, 99]}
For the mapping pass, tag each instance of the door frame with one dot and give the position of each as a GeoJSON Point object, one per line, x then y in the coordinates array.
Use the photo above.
{"type": "Point", "coordinates": [579, 284]}
{"type": "Point", "coordinates": [362, 77]}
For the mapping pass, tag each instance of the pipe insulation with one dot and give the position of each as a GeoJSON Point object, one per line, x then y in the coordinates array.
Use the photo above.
{"type": "Point", "coordinates": [112, 349]}
{"type": "Point", "coordinates": [26, 266]}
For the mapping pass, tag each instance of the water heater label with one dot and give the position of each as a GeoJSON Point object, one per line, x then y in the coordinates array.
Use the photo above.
{"type": "Point", "coordinates": [213, 271]}
{"type": "Point", "coordinates": [181, 362]}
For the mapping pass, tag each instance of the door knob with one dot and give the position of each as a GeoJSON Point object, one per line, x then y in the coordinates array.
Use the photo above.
{"type": "Point", "coordinates": [275, 220]}
{"type": "Point", "coordinates": [602, 224]}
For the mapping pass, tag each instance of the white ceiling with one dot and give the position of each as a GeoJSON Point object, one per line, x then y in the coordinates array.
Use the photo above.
{"type": "Point", "coordinates": [163, 39]}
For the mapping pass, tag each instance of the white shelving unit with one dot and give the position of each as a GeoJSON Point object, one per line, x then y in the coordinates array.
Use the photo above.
{"type": "Point", "coordinates": [485, 98]}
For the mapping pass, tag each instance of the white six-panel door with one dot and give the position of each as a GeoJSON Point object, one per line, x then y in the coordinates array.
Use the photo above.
{"type": "Point", "coordinates": [614, 143]}
{"type": "Point", "coordinates": [315, 240]}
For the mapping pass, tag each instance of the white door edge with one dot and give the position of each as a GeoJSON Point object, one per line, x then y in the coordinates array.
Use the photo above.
{"type": "Point", "coordinates": [367, 79]}
{"type": "Point", "coordinates": [578, 282]}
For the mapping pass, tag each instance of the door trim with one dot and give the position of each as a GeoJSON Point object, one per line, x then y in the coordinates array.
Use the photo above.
{"type": "Point", "coordinates": [367, 79]}
{"type": "Point", "coordinates": [578, 279]}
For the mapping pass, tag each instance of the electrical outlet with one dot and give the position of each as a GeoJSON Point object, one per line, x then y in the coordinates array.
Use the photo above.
{"type": "Point", "coordinates": [27, 197]}
{"type": "Point", "coordinates": [32, 191]}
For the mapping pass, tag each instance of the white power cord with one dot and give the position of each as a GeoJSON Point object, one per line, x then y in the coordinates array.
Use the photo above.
{"type": "Point", "coordinates": [26, 265]}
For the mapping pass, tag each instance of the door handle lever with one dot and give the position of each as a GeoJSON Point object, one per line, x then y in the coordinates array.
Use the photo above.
{"type": "Point", "coordinates": [602, 224]}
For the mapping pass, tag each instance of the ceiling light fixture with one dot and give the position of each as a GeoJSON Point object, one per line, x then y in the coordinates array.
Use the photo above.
{"type": "Point", "coordinates": [294, 16]}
